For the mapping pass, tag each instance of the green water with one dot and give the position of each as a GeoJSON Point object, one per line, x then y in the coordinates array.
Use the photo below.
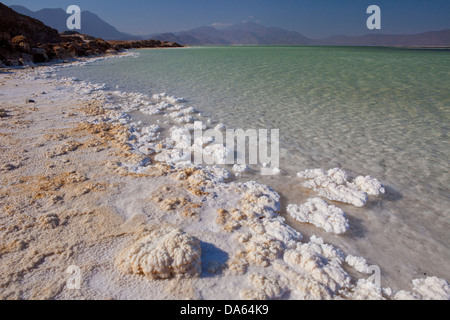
{"type": "Point", "coordinates": [378, 111]}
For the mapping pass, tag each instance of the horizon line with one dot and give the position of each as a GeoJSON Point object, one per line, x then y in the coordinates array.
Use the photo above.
{"type": "Point", "coordinates": [374, 33]}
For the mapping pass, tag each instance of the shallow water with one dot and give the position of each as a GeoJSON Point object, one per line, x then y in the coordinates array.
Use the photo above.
{"type": "Point", "coordinates": [371, 111]}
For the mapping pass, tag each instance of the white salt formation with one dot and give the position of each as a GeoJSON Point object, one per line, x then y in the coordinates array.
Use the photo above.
{"type": "Point", "coordinates": [277, 228]}
{"type": "Point", "coordinates": [239, 169]}
{"type": "Point", "coordinates": [168, 98]}
{"type": "Point", "coordinates": [179, 147]}
{"type": "Point", "coordinates": [163, 253]}
{"type": "Point", "coordinates": [265, 288]}
{"type": "Point", "coordinates": [334, 185]}
{"type": "Point", "coordinates": [261, 248]}
{"type": "Point", "coordinates": [369, 185]}
{"type": "Point", "coordinates": [358, 263]}
{"type": "Point", "coordinates": [259, 199]}
{"type": "Point", "coordinates": [431, 288]}
{"type": "Point", "coordinates": [319, 269]}
{"type": "Point", "coordinates": [217, 152]}
{"type": "Point", "coordinates": [319, 213]}
{"type": "Point", "coordinates": [365, 290]}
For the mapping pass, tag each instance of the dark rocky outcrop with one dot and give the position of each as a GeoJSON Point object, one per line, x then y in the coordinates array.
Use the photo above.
{"type": "Point", "coordinates": [24, 41]}
{"type": "Point", "coordinates": [143, 44]}
{"type": "Point", "coordinates": [16, 24]}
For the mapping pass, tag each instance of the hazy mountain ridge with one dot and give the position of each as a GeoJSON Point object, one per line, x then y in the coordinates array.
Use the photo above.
{"type": "Point", "coordinates": [91, 23]}
{"type": "Point", "coordinates": [245, 33]}
{"type": "Point", "coordinates": [249, 33]}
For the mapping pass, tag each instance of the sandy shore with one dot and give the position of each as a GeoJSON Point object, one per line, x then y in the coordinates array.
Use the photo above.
{"type": "Point", "coordinates": [78, 190]}
{"type": "Point", "coordinates": [60, 196]}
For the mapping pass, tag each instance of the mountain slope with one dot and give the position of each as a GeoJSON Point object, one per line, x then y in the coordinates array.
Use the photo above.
{"type": "Point", "coordinates": [247, 33]}
{"type": "Point", "coordinates": [15, 24]}
{"type": "Point", "coordinates": [250, 33]}
{"type": "Point", "coordinates": [266, 35]}
{"type": "Point", "coordinates": [90, 23]}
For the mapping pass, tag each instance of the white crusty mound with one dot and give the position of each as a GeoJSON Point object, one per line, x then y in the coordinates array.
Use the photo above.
{"type": "Point", "coordinates": [259, 199]}
{"type": "Point", "coordinates": [319, 213]}
{"type": "Point", "coordinates": [179, 147]}
{"type": "Point", "coordinates": [277, 228]}
{"type": "Point", "coordinates": [358, 263]}
{"type": "Point", "coordinates": [369, 185]}
{"type": "Point", "coordinates": [318, 269]}
{"type": "Point", "coordinates": [365, 290]}
{"type": "Point", "coordinates": [168, 98]}
{"type": "Point", "coordinates": [334, 185]}
{"type": "Point", "coordinates": [431, 288]}
{"type": "Point", "coordinates": [240, 169]}
{"type": "Point", "coordinates": [163, 253]}
{"type": "Point", "coordinates": [264, 288]}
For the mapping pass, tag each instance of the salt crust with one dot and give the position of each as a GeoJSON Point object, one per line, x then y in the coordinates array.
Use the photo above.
{"type": "Point", "coordinates": [358, 263]}
{"type": "Point", "coordinates": [335, 185]}
{"type": "Point", "coordinates": [314, 269]}
{"type": "Point", "coordinates": [319, 213]}
{"type": "Point", "coordinates": [163, 253]}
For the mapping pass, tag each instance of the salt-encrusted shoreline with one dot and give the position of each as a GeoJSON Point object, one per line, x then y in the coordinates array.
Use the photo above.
{"type": "Point", "coordinates": [84, 185]}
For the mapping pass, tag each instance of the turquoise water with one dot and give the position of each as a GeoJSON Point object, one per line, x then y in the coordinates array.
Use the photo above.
{"type": "Point", "coordinates": [372, 111]}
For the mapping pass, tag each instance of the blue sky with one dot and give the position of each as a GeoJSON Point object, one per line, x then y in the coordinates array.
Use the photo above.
{"type": "Point", "coordinates": [313, 18]}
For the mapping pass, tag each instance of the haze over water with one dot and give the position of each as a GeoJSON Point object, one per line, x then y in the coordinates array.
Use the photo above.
{"type": "Point", "coordinates": [371, 111]}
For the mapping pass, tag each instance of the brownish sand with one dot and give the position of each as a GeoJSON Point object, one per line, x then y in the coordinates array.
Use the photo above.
{"type": "Point", "coordinates": [68, 201]}
{"type": "Point", "coordinates": [58, 177]}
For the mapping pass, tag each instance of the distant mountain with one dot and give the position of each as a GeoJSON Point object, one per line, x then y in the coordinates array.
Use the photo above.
{"type": "Point", "coordinates": [246, 33]}
{"type": "Point", "coordinates": [250, 33]}
{"type": "Point", "coordinates": [91, 24]}
{"type": "Point", "coordinates": [427, 39]}
{"type": "Point", "coordinates": [265, 35]}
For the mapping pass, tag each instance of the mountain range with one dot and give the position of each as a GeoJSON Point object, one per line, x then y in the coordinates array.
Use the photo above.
{"type": "Point", "coordinates": [246, 33]}
{"type": "Point", "coordinates": [250, 33]}
{"type": "Point", "coordinates": [92, 24]}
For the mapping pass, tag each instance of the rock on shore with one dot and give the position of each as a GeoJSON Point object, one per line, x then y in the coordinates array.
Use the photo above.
{"type": "Point", "coordinates": [25, 41]}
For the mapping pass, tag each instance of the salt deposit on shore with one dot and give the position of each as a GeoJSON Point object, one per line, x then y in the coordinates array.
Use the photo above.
{"type": "Point", "coordinates": [319, 213]}
{"type": "Point", "coordinates": [334, 185]}
{"type": "Point", "coordinates": [84, 185]}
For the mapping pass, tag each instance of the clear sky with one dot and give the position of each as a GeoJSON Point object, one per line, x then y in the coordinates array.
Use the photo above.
{"type": "Point", "coordinates": [313, 18]}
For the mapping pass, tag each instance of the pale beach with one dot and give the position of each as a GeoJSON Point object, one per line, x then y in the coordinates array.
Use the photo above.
{"type": "Point", "coordinates": [220, 153]}
{"type": "Point", "coordinates": [82, 186]}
